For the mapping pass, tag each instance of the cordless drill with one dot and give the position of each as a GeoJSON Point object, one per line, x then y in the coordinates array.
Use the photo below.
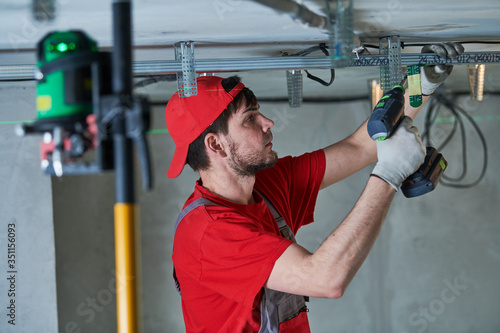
{"type": "Point", "coordinates": [385, 118]}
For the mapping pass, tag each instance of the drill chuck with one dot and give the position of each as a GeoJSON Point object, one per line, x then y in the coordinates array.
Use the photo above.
{"type": "Point", "coordinates": [387, 114]}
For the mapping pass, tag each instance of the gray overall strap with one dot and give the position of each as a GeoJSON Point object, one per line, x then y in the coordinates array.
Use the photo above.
{"type": "Point", "coordinates": [182, 215]}
{"type": "Point", "coordinates": [190, 207]}
{"type": "Point", "coordinates": [285, 229]}
{"type": "Point", "coordinates": [276, 306]}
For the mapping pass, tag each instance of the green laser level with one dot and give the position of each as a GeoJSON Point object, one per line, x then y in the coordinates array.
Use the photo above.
{"type": "Point", "coordinates": [77, 109]}
{"type": "Point", "coordinates": [65, 88]}
{"type": "Point", "coordinates": [72, 76]}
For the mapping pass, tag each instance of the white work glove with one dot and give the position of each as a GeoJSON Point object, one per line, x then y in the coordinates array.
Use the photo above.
{"type": "Point", "coordinates": [400, 155]}
{"type": "Point", "coordinates": [432, 76]}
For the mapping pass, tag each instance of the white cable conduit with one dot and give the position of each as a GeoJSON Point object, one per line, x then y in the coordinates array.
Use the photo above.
{"type": "Point", "coordinates": [297, 11]}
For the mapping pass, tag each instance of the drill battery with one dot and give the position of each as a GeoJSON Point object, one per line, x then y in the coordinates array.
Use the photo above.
{"type": "Point", "coordinates": [427, 176]}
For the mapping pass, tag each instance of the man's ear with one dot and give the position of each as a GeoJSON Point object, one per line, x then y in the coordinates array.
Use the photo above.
{"type": "Point", "coordinates": [214, 144]}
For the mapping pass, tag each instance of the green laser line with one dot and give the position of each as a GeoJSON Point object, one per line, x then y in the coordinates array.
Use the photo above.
{"type": "Point", "coordinates": [158, 131]}
{"type": "Point", "coordinates": [15, 122]}
{"type": "Point", "coordinates": [165, 131]}
{"type": "Point", "coordinates": [475, 118]}
{"type": "Point", "coordinates": [153, 131]}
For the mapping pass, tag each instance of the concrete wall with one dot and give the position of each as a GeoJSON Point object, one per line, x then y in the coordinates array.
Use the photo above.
{"type": "Point", "coordinates": [26, 207]}
{"type": "Point", "coordinates": [84, 227]}
{"type": "Point", "coordinates": [434, 267]}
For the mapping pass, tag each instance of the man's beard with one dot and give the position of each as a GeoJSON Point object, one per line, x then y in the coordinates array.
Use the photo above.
{"type": "Point", "coordinates": [249, 165]}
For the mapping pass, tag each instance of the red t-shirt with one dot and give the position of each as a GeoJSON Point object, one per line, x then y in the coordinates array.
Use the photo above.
{"type": "Point", "coordinates": [224, 254]}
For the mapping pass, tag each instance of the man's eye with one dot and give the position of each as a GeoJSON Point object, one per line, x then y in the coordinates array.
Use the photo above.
{"type": "Point", "coordinates": [249, 118]}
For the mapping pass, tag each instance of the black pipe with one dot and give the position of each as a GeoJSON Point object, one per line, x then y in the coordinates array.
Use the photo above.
{"type": "Point", "coordinates": [122, 89]}
{"type": "Point", "coordinates": [122, 50]}
{"type": "Point", "coordinates": [123, 161]}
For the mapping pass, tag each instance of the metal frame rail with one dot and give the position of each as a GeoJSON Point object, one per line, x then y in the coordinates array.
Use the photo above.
{"type": "Point", "coordinates": [160, 67]}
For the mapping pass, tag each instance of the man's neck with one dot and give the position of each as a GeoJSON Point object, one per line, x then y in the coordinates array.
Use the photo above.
{"type": "Point", "coordinates": [229, 186]}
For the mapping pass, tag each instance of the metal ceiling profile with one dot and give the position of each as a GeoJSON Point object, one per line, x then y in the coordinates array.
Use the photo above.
{"type": "Point", "coordinates": [163, 67]}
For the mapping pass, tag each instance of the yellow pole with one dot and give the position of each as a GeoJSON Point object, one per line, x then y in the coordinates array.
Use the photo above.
{"type": "Point", "coordinates": [126, 268]}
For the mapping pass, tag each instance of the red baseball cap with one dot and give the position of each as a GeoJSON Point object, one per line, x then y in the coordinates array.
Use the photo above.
{"type": "Point", "coordinates": [188, 117]}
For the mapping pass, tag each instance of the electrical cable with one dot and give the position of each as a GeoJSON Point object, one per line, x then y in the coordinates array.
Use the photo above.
{"type": "Point", "coordinates": [438, 101]}
{"type": "Point", "coordinates": [434, 108]}
{"type": "Point", "coordinates": [485, 151]}
{"type": "Point", "coordinates": [321, 47]}
{"type": "Point", "coordinates": [459, 120]}
{"type": "Point", "coordinates": [464, 147]}
{"type": "Point", "coordinates": [154, 79]}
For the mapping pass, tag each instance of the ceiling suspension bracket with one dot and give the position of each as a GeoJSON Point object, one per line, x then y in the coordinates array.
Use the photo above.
{"type": "Point", "coordinates": [186, 78]}
{"type": "Point", "coordinates": [391, 73]}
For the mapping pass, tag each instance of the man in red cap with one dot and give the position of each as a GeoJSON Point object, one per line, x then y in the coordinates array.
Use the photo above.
{"type": "Point", "coordinates": [236, 261]}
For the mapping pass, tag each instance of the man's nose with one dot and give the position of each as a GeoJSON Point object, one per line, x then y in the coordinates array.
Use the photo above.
{"type": "Point", "coordinates": [267, 123]}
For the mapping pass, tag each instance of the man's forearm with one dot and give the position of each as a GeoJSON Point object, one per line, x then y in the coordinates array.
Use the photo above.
{"type": "Point", "coordinates": [357, 151]}
{"type": "Point", "coordinates": [410, 111]}
{"type": "Point", "coordinates": [346, 248]}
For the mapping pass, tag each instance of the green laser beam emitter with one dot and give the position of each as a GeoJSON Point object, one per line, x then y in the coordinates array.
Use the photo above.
{"type": "Point", "coordinates": [64, 90]}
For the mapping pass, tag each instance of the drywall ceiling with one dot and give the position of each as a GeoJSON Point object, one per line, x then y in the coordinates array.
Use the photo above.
{"type": "Point", "coordinates": [240, 28]}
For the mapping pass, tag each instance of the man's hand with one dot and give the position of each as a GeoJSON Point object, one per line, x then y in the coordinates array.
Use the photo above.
{"type": "Point", "coordinates": [432, 76]}
{"type": "Point", "coordinates": [400, 155]}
